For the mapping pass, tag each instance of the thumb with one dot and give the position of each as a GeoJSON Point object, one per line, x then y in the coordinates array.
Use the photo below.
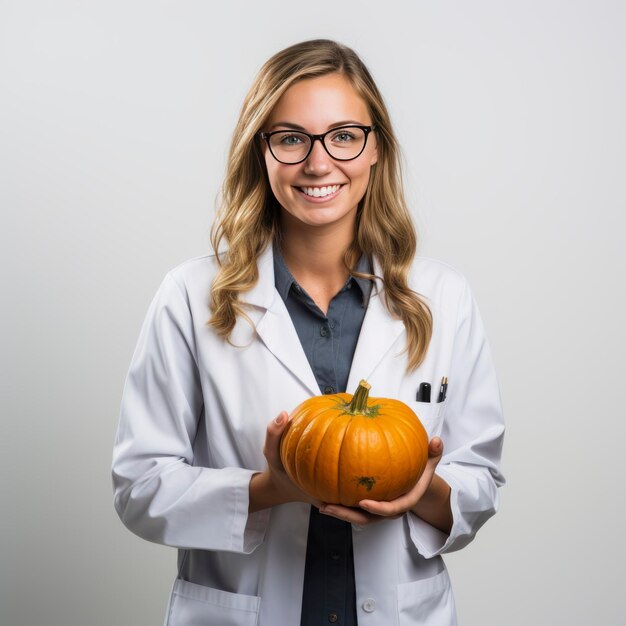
{"type": "Point", "coordinates": [435, 447]}
{"type": "Point", "coordinates": [277, 426]}
{"type": "Point", "coordinates": [279, 422]}
{"type": "Point", "coordinates": [272, 438]}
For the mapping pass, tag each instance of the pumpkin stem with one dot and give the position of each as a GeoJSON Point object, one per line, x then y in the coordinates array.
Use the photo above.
{"type": "Point", "coordinates": [359, 399]}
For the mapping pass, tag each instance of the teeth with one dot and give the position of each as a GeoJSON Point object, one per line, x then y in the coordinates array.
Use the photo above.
{"type": "Point", "coordinates": [319, 192]}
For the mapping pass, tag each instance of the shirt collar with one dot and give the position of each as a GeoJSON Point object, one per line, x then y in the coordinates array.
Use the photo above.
{"type": "Point", "coordinates": [283, 278]}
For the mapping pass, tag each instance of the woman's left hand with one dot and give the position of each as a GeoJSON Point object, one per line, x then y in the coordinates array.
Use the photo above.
{"type": "Point", "coordinates": [429, 499]}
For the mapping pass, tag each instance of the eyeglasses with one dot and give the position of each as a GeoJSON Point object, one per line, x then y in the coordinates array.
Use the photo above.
{"type": "Point", "coordinates": [342, 144]}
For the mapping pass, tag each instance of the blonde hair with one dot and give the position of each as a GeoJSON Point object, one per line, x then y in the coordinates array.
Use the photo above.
{"type": "Point", "coordinates": [248, 217]}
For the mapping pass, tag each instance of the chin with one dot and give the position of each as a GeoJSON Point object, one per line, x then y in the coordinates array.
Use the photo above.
{"type": "Point", "coordinates": [329, 220]}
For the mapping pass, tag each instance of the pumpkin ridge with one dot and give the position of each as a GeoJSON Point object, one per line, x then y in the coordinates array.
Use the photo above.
{"type": "Point", "coordinates": [299, 420]}
{"type": "Point", "coordinates": [289, 443]}
{"type": "Point", "coordinates": [337, 457]}
{"type": "Point", "coordinates": [369, 482]}
{"type": "Point", "coordinates": [290, 440]}
{"type": "Point", "coordinates": [390, 455]}
{"type": "Point", "coordinates": [399, 438]}
{"type": "Point", "coordinates": [355, 465]}
{"type": "Point", "coordinates": [405, 420]}
{"type": "Point", "coordinates": [310, 479]}
{"type": "Point", "coordinates": [412, 451]}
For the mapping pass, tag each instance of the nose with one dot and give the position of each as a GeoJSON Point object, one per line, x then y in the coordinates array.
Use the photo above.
{"type": "Point", "coordinates": [318, 162]}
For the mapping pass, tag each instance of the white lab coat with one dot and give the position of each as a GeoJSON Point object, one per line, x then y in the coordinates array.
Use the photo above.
{"type": "Point", "coordinates": [192, 425]}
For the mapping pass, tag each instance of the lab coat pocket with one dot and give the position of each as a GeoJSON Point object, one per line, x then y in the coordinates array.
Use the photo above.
{"type": "Point", "coordinates": [197, 605]}
{"type": "Point", "coordinates": [431, 416]}
{"type": "Point", "coordinates": [427, 602]}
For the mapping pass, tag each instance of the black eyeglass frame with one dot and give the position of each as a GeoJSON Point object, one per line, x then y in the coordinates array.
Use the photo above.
{"type": "Point", "coordinates": [313, 138]}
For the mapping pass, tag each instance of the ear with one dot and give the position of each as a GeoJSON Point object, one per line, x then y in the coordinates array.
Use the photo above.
{"type": "Point", "coordinates": [374, 158]}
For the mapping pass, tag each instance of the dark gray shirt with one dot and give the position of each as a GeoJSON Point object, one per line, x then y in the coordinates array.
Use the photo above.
{"type": "Point", "coordinates": [329, 342]}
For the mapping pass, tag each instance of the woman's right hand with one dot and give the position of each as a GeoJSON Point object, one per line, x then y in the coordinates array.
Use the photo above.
{"type": "Point", "coordinates": [272, 486]}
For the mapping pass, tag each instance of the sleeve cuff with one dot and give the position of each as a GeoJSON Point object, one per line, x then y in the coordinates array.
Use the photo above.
{"type": "Point", "coordinates": [429, 540]}
{"type": "Point", "coordinates": [248, 529]}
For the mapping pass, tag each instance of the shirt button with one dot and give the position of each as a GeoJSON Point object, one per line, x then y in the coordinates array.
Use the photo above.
{"type": "Point", "coordinates": [332, 324]}
{"type": "Point", "coordinates": [334, 555]}
{"type": "Point", "coordinates": [323, 331]}
{"type": "Point", "coordinates": [369, 605]}
{"type": "Point", "coordinates": [332, 617]}
{"type": "Point", "coordinates": [328, 389]}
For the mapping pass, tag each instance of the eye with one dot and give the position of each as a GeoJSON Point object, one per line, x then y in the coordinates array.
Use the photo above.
{"type": "Point", "coordinates": [288, 139]}
{"type": "Point", "coordinates": [343, 136]}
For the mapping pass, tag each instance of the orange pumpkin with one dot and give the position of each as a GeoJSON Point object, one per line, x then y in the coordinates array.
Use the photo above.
{"type": "Point", "coordinates": [342, 449]}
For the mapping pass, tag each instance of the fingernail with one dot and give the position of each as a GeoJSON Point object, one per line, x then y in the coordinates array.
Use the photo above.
{"type": "Point", "coordinates": [280, 419]}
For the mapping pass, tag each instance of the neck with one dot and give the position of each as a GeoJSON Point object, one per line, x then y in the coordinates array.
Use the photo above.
{"type": "Point", "coordinates": [316, 253]}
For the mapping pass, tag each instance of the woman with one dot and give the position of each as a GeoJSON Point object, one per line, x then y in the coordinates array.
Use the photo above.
{"type": "Point", "coordinates": [318, 287]}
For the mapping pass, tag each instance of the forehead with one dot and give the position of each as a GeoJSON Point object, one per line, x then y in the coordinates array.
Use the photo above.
{"type": "Point", "coordinates": [319, 103]}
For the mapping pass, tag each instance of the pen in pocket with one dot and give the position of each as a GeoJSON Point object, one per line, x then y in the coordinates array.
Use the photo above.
{"type": "Point", "coordinates": [423, 393]}
{"type": "Point", "coordinates": [443, 389]}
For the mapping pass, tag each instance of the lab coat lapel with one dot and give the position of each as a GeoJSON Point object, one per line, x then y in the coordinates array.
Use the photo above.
{"type": "Point", "coordinates": [379, 333]}
{"type": "Point", "coordinates": [274, 326]}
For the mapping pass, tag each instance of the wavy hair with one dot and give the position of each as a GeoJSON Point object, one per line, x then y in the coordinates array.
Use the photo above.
{"type": "Point", "coordinates": [248, 218]}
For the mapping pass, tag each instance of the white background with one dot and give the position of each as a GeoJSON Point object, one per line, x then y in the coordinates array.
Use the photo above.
{"type": "Point", "coordinates": [115, 119]}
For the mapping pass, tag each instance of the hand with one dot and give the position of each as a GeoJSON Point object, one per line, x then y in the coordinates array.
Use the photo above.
{"type": "Point", "coordinates": [429, 498]}
{"type": "Point", "coordinates": [273, 486]}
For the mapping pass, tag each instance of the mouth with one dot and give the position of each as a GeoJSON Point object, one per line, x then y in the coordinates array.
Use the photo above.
{"type": "Point", "coordinates": [320, 194]}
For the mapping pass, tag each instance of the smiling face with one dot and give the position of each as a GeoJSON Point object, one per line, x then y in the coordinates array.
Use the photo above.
{"type": "Point", "coordinates": [320, 191]}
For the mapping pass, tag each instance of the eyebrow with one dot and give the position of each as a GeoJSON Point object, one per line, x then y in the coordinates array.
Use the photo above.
{"type": "Point", "coordinates": [331, 126]}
